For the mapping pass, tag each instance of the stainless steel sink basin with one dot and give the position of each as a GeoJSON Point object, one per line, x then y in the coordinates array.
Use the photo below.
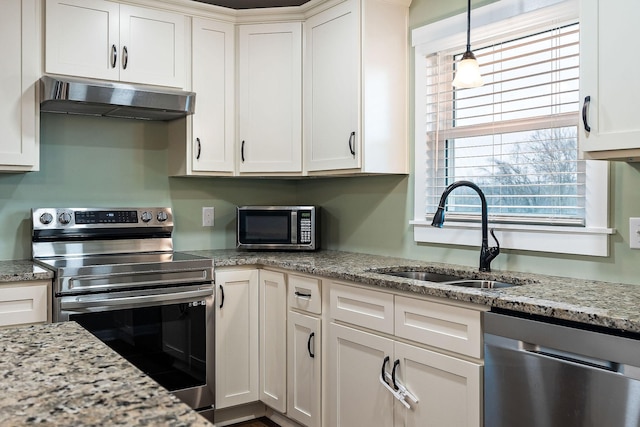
{"type": "Point", "coordinates": [480, 284]}
{"type": "Point", "coordinates": [447, 279]}
{"type": "Point", "coordinates": [425, 276]}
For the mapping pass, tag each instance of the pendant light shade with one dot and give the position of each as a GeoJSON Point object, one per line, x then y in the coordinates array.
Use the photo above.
{"type": "Point", "coordinates": [467, 70]}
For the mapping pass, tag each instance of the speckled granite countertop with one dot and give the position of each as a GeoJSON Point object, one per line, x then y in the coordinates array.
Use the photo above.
{"type": "Point", "coordinates": [19, 270]}
{"type": "Point", "coordinates": [612, 305]}
{"type": "Point", "coordinates": [605, 304]}
{"type": "Point", "coordinates": [61, 375]}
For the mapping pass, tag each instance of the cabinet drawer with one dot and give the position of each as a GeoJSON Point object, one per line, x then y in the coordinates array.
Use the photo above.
{"type": "Point", "coordinates": [304, 293]}
{"type": "Point", "coordinates": [439, 325]}
{"type": "Point", "coordinates": [22, 304]}
{"type": "Point", "coordinates": [362, 307]}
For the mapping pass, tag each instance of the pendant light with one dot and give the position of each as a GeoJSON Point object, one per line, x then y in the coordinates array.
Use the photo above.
{"type": "Point", "coordinates": [468, 70]}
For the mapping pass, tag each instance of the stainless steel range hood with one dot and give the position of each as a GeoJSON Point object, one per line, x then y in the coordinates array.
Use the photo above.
{"type": "Point", "coordinates": [100, 98]}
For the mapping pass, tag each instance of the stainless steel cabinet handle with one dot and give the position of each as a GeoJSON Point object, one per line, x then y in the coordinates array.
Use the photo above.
{"type": "Point", "coordinates": [125, 57]}
{"type": "Point", "coordinates": [199, 149]}
{"type": "Point", "coordinates": [352, 140]}
{"type": "Point", "coordinates": [114, 56]}
{"type": "Point", "coordinates": [585, 110]}
{"type": "Point", "coordinates": [311, 335]}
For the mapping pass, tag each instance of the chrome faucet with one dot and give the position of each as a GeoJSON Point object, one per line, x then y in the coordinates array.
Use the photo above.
{"type": "Point", "coordinates": [487, 254]}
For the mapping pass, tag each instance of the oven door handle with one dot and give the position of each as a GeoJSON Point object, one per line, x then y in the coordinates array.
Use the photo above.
{"type": "Point", "coordinates": [174, 297]}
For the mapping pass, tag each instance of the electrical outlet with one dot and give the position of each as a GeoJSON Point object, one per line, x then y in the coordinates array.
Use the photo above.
{"type": "Point", "coordinates": [634, 233]}
{"type": "Point", "coordinates": [207, 217]}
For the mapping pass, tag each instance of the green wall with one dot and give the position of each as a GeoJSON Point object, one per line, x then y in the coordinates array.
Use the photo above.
{"type": "Point", "coordinates": [101, 162]}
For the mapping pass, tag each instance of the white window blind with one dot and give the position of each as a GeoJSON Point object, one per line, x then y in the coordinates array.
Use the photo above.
{"type": "Point", "coordinates": [515, 137]}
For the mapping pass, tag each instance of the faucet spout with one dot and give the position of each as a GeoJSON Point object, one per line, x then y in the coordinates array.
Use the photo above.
{"type": "Point", "coordinates": [487, 254]}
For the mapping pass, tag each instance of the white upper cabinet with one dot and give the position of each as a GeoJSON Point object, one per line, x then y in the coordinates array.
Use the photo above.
{"type": "Point", "coordinates": [106, 40]}
{"type": "Point", "coordinates": [607, 42]}
{"type": "Point", "coordinates": [213, 82]}
{"type": "Point", "coordinates": [270, 98]}
{"type": "Point", "coordinates": [19, 72]}
{"type": "Point", "coordinates": [203, 144]}
{"type": "Point", "coordinates": [355, 88]}
{"type": "Point", "coordinates": [331, 89]}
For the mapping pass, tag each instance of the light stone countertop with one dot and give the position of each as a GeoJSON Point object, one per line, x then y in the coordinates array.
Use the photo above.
{"type": "Point", "coordinates": [22, 270]}
{"type": "Point", "coordinates": [611, 305]}
{"type": "Point", "coordinates": [61, 375]}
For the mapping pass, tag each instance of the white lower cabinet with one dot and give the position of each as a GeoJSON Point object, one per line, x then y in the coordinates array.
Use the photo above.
{"type": "Point", "coordinates": [304, 369]}
{"type": "Point", "coordinates": [273, 340]}
{"type": "Point", "coordinates": [355, 396]}
{"type": "Point", "coordinates": [25, 303]}
{"type": "Point", "coordinates": [448, 389]}
{"type": "Point", "coordinates": [236, 328]}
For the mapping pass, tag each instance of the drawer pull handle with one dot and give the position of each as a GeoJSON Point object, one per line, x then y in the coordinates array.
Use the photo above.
{"type": "Point", "coordinates": [311, 335]}
{"type": "Point", "coordinates": [302, 295]}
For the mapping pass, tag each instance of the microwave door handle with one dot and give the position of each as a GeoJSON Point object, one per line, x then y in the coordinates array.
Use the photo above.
{"type": "Point", "coordinates": [145, 300]}
{"type": "Point", "coordinates": [294, 227]}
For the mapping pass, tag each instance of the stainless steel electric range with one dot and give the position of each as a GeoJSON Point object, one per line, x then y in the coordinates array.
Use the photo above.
{"type": "Point", "coordinates": [117, 275]}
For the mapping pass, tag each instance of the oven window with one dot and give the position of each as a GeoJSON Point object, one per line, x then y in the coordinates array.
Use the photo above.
{"type": "Point", "coordinates": [165, 342]}
{"type": "Point", "coordinates": [265, 227]}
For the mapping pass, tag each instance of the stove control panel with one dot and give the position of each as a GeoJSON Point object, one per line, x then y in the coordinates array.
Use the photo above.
{"type": "Point", "coordinates": [54, 218]}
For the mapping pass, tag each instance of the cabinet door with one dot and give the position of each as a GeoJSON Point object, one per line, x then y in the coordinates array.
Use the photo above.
{"type": "Point", "coordinates": [607, 35]}
{"type": "Point", "coordinates": [24, 303]}
{"type": "Point", "coordinates": [82, 38]}
{"type": "Point", "coordinates": [273, 340]}
{"type": "Point", "coordinates": [355, 396]}
{"type": "Point", "coordinates": [19, 74]}
{"type": "Point", "coordinates": [304, 361]}
{"type": "Point", "coordinates": [236, 337]}
{"type": "Point", "coordinates": [213, 82]}
{"type": "Point", "coordinates": [448, 389]}
{"type": "Point", "coordinates": [152, 46]}
{"type": "Point", "coordinates": [270, 88]}
{"type": "Point", "coordinates": [332, 89]}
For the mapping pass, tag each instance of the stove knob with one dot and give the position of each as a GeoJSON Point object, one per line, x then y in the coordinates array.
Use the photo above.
{"type": "Point", "coordinates": [146, 216]}
{"type": "Point", "coordinates": [64, 218]}
{"type": "Point", "coordinates": [46, 218]}
{"type": "Point", "coordinates": [162, 216]}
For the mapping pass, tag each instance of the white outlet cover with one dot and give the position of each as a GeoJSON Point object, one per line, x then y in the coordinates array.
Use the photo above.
{"type": "Point", "coordinates": [207, 216]}
{"type": "Point", "coordinates": [634, 233]}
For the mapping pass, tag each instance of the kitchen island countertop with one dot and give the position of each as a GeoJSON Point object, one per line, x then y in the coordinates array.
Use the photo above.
{"type": "Point", "coordinates": [61, 375]}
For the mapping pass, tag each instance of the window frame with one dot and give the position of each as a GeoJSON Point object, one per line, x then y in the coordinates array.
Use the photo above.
{"type": "Point", "coordinates": [504, 18]}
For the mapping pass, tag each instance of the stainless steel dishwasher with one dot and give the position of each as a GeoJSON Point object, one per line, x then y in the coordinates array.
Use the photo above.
{"type": "Point", "coordinates": [543, 374]}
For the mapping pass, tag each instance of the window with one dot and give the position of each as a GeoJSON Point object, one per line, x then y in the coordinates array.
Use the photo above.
{"type": "Point", "coordinates": [516, 137]}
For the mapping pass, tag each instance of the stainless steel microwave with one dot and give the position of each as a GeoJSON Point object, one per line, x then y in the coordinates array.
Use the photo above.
{"type": "Point", "coordinates": [278, 227]}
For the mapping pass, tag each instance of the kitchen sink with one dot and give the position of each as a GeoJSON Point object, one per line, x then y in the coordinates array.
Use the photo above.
{"type": "Point", "coordinates": [425, 276]}
{"type": "Point", "coordinates": [448, 279]}
{"type": "Point", "coordinates": [480, 284]}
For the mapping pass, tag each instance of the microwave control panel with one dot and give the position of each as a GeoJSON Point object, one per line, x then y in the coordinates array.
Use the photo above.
{"type": "Point", "coordinates": [304, 227]}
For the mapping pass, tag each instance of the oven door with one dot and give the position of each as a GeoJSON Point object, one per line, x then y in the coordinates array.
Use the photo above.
{"type": "Point", "coordinates": [167, 333]}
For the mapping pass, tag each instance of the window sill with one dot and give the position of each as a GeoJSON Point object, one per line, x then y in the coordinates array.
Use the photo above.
{"type": "Point", "coordinates": [563, 240]}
